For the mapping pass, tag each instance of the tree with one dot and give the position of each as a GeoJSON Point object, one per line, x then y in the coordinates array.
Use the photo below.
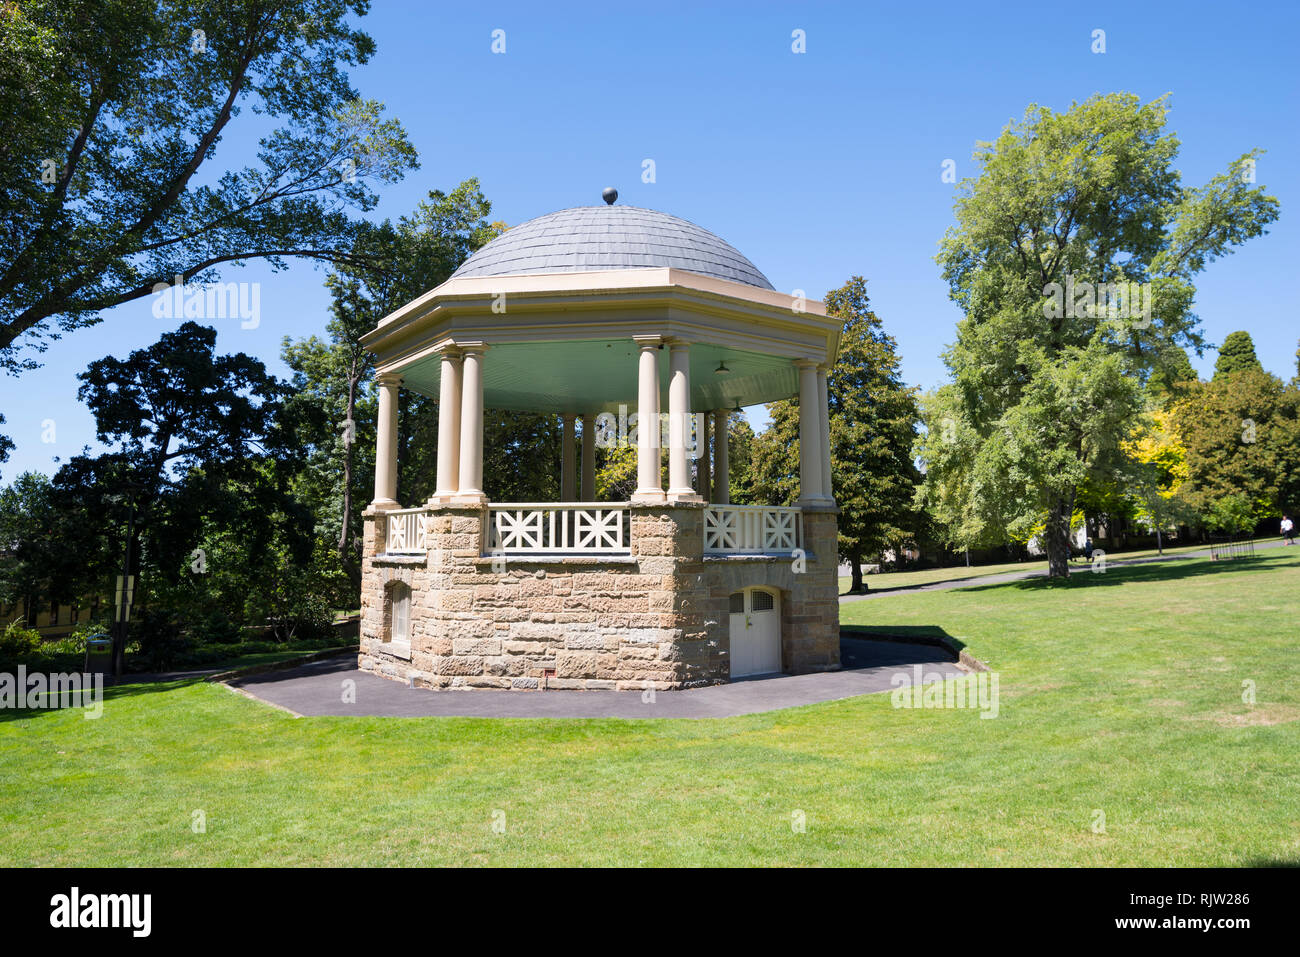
{"type": "Point", "coordinates": [36, 566]}
{"type": "Point", "coordinates": [113, 114]}
{"type": "Point", "coordinates": [1171, 374]}
{"type": "Point", "coordinates": [1072, 259]}
{"type": "Point", "coordinates": [334, 402]}
{"type": "Point", "coordinates": [193, 436]}
{"type": "Point", "coordinates": [1159, 473]}
{"type": "Point", "coordinates": [1241, 432]}
{"type": "Point", "coordinates": [1236, 353]}
{"type": "Point", "coordinates": [6, 444]}
{"type": "Point", "coordinates": [740, 461]}
{"type": "Point", "coordinates": [873, 419]}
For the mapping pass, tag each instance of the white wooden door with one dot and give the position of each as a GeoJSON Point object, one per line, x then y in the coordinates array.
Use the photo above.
{"type": "Point", "coordinates": [755, 633]}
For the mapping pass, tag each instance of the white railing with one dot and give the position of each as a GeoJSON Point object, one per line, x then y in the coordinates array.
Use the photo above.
{"type": "Point", "coordinates": [405, 532]}
{"type": "Point", "coordinates": [751, 529]}
{"type": "Point", "coordinates": [521, 528]}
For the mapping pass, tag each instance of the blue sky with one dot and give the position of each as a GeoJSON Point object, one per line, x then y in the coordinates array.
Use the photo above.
{"type": "Point", "coordinates": [818, 166]}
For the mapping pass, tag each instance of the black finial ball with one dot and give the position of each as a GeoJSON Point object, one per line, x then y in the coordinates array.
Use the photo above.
{"type": "Point", "coordinates": [609, 195]}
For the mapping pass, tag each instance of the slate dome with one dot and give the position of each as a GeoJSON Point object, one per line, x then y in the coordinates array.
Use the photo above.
{"type": "Point", "coordinates": [598, 238]}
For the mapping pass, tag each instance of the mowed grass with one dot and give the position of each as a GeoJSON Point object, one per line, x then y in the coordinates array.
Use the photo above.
{"type": "Point", "coordinates": [1121, 693]}
{"type": "Point", "coordinates": [883, 581]}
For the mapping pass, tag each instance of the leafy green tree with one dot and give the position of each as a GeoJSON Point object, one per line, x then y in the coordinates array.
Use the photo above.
{"type": "Point", "coordinates": [36, 567]}
{"type": "Point", "coordinates": [6, 444]}
{"type": "Point", "coordinates": [1234, 514]}
{"type": "Point", "coordinates": [192, 436]}
{"type": "Point", "coordinates": [1171, 373]}
{"type": "Point", "coordinates": [873, 418]}
{"type": "Point", "coordinates": [1072, 259]}
{"type": "Point", "coordinates": [113, 114]}
{"type": "Point", "coordinates": [1241, 432]}
{"type": "Point", "coordinates": [740, 461]}
{"type": "Point", "coordinates": [616, 473]}
{"type": "Point", "coordinates": [1236, 353]}
{"type": "Point", "coordinates": [1158, 474]}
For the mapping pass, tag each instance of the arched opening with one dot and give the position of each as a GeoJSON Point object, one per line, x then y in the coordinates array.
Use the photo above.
{"type": "Point", "coordinates": [755, 628]}
{"type": "Point", "coordinates": [397, 618]}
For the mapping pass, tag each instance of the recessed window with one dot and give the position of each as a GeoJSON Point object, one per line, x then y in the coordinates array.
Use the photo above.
{"type": "Point", "coordinates": [400, 623]}
{"type": "Point", "coordinates": [738, 603]}
{"type": "Point", "coordinates": [763, 601]}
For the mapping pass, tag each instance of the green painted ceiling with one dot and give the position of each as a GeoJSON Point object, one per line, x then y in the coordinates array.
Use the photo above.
{"type": "Point", "coordinates": [599, 375]}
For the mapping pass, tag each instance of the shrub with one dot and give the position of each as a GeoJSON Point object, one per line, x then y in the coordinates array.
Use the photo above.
{"type": "Point", "coordinates": [162, 645]}
{"type": "Point", "coordinates": [215, 627]}
{"type": "Point", "coordinates": [18, 645]}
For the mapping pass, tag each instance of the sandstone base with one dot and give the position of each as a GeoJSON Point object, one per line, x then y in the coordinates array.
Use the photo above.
{"type": "Point", "coordinates": [657, 619]}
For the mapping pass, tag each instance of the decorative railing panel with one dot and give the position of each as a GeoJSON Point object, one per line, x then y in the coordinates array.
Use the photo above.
{"type": "Point", "coordinates": [751, 529]}
{"type": "Point", "coordinates": [582, 528]}
{"type": "Point", "coordinates": [405, 532]}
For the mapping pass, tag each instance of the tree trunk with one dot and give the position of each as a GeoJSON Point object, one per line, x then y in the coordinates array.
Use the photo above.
{"type": "Point", "coordinates": [349, 440]}
{"type": "Point", "coordinates": [1160, 547]}
{"type": "Point", "coordinates": [857, 586]}
{"type": "Point", "coordinates": [1058, 538]}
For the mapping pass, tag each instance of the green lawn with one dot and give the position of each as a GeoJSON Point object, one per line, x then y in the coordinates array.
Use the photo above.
{"type": "Point", "coordinates": [1120, 692]}
{"type": "Point", "coordinates": [926, 576]}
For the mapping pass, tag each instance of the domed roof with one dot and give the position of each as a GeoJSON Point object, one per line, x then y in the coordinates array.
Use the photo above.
{"type": "Point", "coordinates": [598, 238]}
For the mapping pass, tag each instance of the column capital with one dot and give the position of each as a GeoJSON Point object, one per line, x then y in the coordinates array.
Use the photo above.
{"type": "Point", "coordinates": [674, 343]}
{"type": "Point", "coordinates": [804, 363]}
{"type": "Point", "coordinates": [450, 351]}
{"type": "Point", "coordinates": [388, 378]}
{"type": "Point", "coordinates": [476, 347]}
{"type": "Point", "coordinates": [648, 342]}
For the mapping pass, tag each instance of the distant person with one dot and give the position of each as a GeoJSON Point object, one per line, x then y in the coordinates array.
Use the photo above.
{"type": "Point", "coordinates": [1087, 549]}
{"type": "Point", "coordinates": [1288, 530]}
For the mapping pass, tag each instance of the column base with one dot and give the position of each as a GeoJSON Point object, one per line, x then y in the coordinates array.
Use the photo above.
{"type": "Point", "coordinates": [468, 498]}
{"type": "Point", "coordinates": [819, 502]}
{"type": "Point", "coordinates": [687, 496]}
{"type": "Point", "coordinates": [654, 496]}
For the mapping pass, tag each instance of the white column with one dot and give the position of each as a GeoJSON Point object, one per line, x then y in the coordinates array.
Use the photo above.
{"type": "Point", "coordinates": [679, 416]}
{"type": "Point", "coordinates": [567, 463]}
{"type": "Point", "coordinates": [589, 457]}
{"type": "Point", "coordinates": [810, 435]}
{"type": "Point", "coordinates": [648, 457]}
{"type": "Point", "coordinates": [449, 389]}
{"type": "Point", "coordinates": [824, 406]}
{"type": "Point", "coordinates": [702, 463]}
{"type": "Point", "coordinates": [721, 464]}
{"type": "Point", "coordinates": [386, 440]}
{"type": "Point", "coordinates": [471, 427]}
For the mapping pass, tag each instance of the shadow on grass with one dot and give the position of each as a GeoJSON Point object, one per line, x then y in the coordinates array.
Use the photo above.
{"type": "Point", "coordinates": [1154, 571]}
{"type": "Point", "coordinates": [931, 635]}
{"type": "Point", "coordinates": [918, 586]}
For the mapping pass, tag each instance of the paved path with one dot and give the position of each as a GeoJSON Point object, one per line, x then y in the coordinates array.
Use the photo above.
{"type": "Point", "coordinates": [869, 667]}
{"type": "Point", "coordinates": [1076, 568]}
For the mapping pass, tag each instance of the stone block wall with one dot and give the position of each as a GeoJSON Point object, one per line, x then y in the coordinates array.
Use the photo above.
{"type": "Point", "coordinates": [655, 619]}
